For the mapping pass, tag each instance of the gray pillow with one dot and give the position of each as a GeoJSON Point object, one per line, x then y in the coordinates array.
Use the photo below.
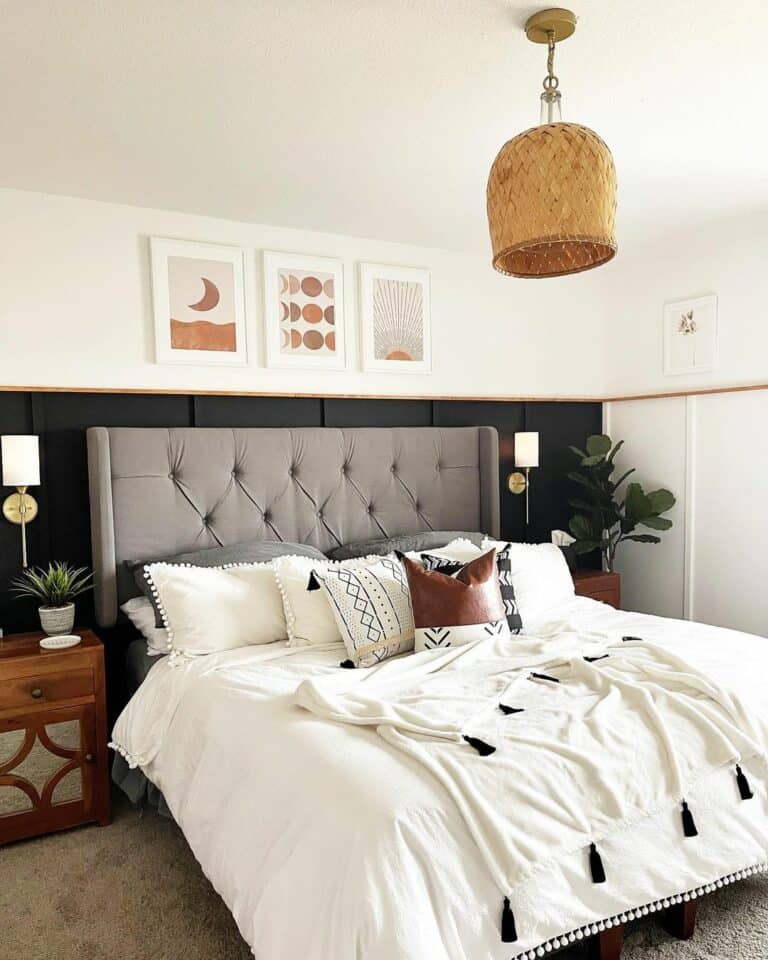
{"type": "Point", "coordinates": [250, 551]}
{"type": "Point", "coordinates": [428, 540]}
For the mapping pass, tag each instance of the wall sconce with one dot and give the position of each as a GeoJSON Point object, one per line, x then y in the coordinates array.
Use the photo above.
{"type": "Point", "coordinates": [21, 469]}
{"type": "Point", "coordinates": [526, 456]}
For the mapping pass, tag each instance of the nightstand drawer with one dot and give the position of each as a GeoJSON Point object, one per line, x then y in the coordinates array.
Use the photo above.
{"type": "Point", "coordinates": [605, 596]}
{"type": "Point", "coordinates": [46, 689]}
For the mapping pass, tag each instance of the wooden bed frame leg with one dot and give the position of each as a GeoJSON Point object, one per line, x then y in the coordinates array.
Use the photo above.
{"type": "Point", "coordinates": [680, 920]}
{"type": "Point", "coordinates": [607, 945]}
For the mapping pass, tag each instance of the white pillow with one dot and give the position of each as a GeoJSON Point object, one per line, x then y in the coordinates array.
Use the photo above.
{"type": "Point", "coordinates": [460, 549]}
{"type": "Point", "coordinates": [142, 615]}
{"type": "Point", "coordinates": [540, 577]}
{"type": "Point", "coordinates": [209, 609]}
{"type": "Point", "coordinates": [308, 615]}
{"type": "Point", "coordinates": [371, 604]}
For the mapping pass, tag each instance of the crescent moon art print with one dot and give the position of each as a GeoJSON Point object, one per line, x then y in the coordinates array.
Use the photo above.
{"type": "Point", "coordinates": [210, 297]}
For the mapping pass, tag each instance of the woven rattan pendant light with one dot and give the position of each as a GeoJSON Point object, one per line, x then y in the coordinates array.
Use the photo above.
{"type": "Point", "coordinates": [552, 189]}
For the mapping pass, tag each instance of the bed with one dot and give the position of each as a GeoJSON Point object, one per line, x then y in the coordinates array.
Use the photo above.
{"type": "Point", "coordinates": [323, 840]}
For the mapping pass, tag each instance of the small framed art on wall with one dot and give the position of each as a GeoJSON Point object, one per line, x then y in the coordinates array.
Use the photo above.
{"type": "Point", "coordinates": [690, 335]}
{"type": "Point", "coordinates": [304, 311]}
{"type": "Point", "coordinates": [395, 317]}
{"type": "Point", "coordinates": [199, 303]}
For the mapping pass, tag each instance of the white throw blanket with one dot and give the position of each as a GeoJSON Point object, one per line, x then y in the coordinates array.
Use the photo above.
{"type": "Point", "coordinates": [615, 741]}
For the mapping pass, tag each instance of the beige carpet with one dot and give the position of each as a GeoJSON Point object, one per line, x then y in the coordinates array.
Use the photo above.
{"type": "Point", "coordinates": [133, 891]}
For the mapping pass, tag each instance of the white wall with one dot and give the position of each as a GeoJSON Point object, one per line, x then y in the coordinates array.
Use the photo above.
{"type": "Point", "coordinates": [712, 452]}
{"type": "Point", "coordinates": [653, 575]}
{"type": "Point", "coordinates": [726, 257]}
{"type": "Point", "coordinates": [76, 309]}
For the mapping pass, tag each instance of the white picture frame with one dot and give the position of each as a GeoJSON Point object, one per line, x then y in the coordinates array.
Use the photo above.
{"type": "Point", "coordinates": [198, 299]}
{"type": "Point", "coordinates": [304, 315]}
{"type": "Point", "coordinates": [395, 317]}
{"type": "Point", "coordinates": [690, 336]}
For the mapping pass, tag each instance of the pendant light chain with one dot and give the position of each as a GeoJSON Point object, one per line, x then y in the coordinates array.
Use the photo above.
{"type": "Point", "coordinates": [551, 82]}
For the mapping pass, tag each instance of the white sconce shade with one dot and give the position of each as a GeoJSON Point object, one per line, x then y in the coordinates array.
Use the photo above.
{"type": "Point", "coordinates": [526, 449]}
{"type": "Point", "coordinates": [21, 461]}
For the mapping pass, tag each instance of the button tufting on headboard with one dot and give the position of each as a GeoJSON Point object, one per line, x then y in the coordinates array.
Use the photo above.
{"type": "Point", "coordinates": [157, 492]}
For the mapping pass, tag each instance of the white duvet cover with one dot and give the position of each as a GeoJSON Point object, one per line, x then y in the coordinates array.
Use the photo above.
{"type": "Point", "coordinates": [328, 843]}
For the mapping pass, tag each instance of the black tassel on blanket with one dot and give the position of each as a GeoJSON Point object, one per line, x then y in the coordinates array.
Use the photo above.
{"type": "Point", "coordinates": [689, 824]}
{"type": "Point", "coordinates": [508, 929]}
{"type": "Point", "coordinates": [313, 584]}
{"type": "Point", "coordinates": [347, 665]}
{"type": "Point", "coordinates": [543, 676]}
{"type": "Point", "coordinates": [745, 791]}
{"type": "Point", "coordinates": [483, 748]}
{"type": "Point", "coordinates": [596, 865]}
{"type": "Point", "coordinates": [509, 710]}
{"type": "Point", "coordinates": [603, 656]}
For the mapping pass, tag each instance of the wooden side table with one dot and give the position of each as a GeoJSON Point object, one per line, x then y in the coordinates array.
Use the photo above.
{"type": "Point", "coordinates": [53, 736]}
{"type": "Point", "coordinates": [599, 585]}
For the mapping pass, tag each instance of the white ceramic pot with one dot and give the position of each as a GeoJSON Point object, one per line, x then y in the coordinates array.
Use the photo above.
{"type": "Point", "coordinates": [57, 620]}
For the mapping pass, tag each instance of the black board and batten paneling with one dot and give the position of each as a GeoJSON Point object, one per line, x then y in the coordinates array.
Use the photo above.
{"type": "Point", "coordinates": [62, 529]}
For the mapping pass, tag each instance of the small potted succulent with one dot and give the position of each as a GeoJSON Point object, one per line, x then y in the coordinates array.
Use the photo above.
{"type": "Point", "coordinates": [56, 589]}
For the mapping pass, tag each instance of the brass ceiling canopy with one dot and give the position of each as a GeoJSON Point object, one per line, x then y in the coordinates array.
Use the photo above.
{"type": "Point", "coordinates": [551, 194]}
{"type": "Point", "coordinates": [557, 22]}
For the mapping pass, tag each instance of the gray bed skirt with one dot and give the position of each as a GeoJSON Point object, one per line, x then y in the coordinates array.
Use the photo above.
{"type": "Point", "coordinates": [133, 783]}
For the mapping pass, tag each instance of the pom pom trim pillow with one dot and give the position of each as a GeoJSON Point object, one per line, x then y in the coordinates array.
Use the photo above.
{"type": "Point", "coordinates": [210, 609]}
{"type": "Point", "coordinates": [451, 611]}
{"type": "Point", "coordinates": [372, 608]}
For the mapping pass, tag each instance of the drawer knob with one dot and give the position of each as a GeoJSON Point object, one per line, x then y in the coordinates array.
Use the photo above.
{"type": "Point", "coordinates": [36, 693]}
{"type": "Point", "coordinates": [89, 758]}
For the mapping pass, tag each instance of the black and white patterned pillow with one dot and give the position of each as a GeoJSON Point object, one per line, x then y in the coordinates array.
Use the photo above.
{"type": "Point", "coordinates": [433, 638]}
{"type": "Point", "coordinates": [372, 608]}
{"type": "Point", "coordinates": [504, 568]}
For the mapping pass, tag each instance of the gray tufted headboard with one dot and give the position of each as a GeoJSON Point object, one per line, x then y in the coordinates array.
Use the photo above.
{"type": "Point", "coordinates": [162, 491]}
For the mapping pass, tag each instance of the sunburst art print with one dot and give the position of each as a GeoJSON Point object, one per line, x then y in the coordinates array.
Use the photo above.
{"type": "Point", "coordinates": [395, 308]}
{"type": "Point", "coordinates": [198, 302]}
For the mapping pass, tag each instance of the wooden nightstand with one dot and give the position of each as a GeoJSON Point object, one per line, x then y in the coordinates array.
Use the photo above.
{"type": "Point", "coordinates": [599, 585]}
{"type": "Point", "coordinates": [53, 736]}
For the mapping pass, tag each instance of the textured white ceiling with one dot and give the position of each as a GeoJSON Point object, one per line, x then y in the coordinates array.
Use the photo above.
{"type": "Point", "coordinates": [377, 118]}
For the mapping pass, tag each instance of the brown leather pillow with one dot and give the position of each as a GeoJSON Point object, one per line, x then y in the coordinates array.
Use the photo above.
{"type": "Point", "coordinates": [450, 611]}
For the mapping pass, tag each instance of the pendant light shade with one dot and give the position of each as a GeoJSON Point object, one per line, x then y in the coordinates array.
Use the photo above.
{"type": "Point", "coordinates": [551, 194]}
{"type": "Point", "coordinates": [552, 202]}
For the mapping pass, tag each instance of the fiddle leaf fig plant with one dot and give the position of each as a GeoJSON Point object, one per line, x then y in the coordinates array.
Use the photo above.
{"type": "Point", "coordinates": [604, 519]}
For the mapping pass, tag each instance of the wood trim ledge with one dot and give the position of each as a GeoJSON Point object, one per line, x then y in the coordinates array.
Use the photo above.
{"type": "Point", "coordinates": [507, 398]}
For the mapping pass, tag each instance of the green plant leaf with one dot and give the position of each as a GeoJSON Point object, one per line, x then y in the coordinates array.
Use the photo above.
{"type": "Point", "coordinates": [623, 477]}
{"type": "Point", "coordinates": [583, 529]}
{"type": "Point", "coordinates": [581, 478]}
{"type": "Point", "coordinates": [598, 445]}
{"type": "Point", "coordinates": [579, 504]}
{"type": "Point", "coordinates": [592, 461]}
{"type": "Point", "coordinates": [636, 503]}
{"type": "Point", "coordinates": [579, 453]}
{"type": "Point", "coordinates": [612, 454]}
{"type": "Point", "coordinates": [661, 500]}
{"type": "Point", "coordinates": [586, 546]}
{"type": "Point", "coordinates": [54, 587]}
{"type": "Point", "coordinates": [656, 523]}
{"type": "Point", "coordinates": [643, 538]}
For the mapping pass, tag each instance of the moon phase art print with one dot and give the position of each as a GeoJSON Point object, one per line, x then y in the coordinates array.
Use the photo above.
{"type": "Point", "coordinates": [198, 293]}
{"type": "Point", "coordinates": [304, 311]}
